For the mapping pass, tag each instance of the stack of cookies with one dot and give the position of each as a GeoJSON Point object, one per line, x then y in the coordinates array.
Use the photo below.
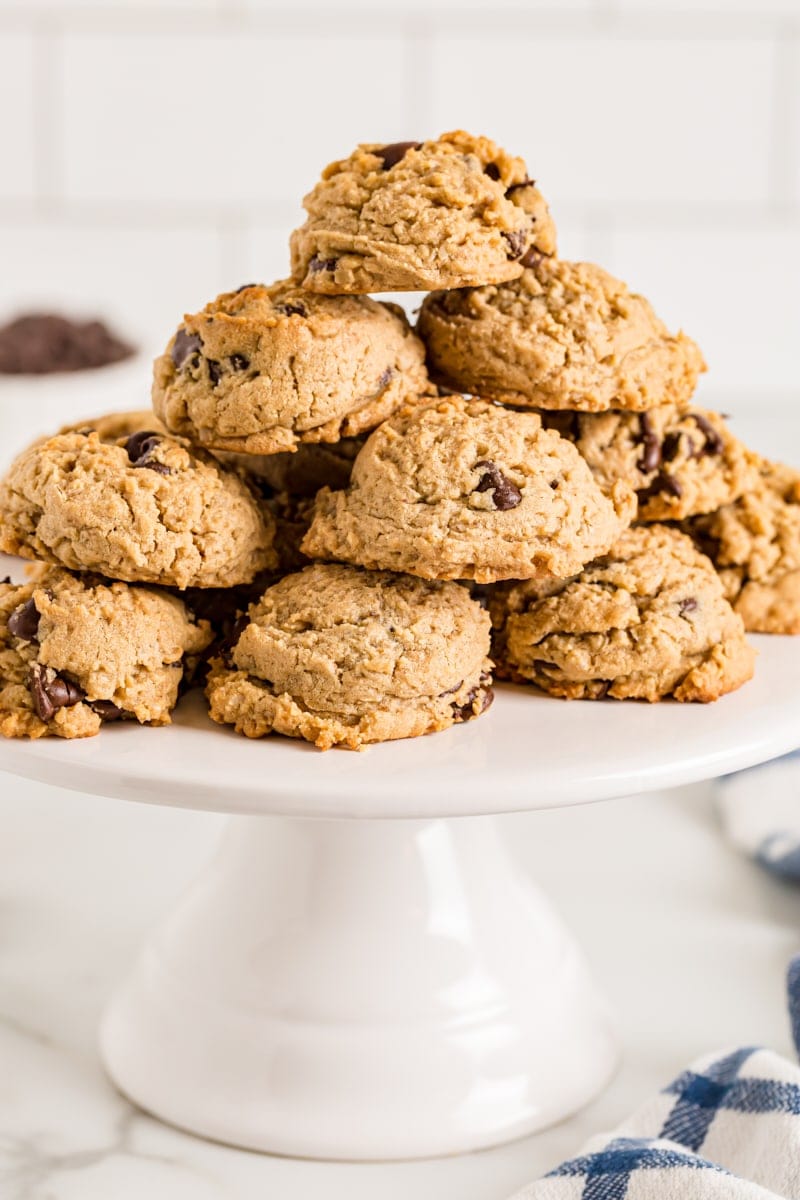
{"type": "Point", "coordinates": [341, 525]}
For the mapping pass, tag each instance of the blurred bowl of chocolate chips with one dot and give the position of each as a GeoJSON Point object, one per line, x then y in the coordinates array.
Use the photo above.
{"type": "Point", "coordinates": [56, 370]}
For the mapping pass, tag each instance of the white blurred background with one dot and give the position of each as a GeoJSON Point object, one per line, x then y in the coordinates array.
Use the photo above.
{"type": "Point", "coordinates": [155, 152]}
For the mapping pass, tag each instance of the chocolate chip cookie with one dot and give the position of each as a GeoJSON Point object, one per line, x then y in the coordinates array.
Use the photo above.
{"type": "Point", "coordinates": [755, 546]}
{"type": "Point", "coordinates": [145, 509]}
{"type": "Point", "coordinates": [563, 335]}
{"type": "Point", "coordinates": [647, 620]}
{"type": "Point", "coordinates": [412, 216]}
{"type": "Point", "coordinates": [263, 368]}
{"type": "Point", "coordinates": [462, 489]}
{"type": "Point", "coordinates": [343, 657]}
{"type": "Point", "coordinates": [76, 652]}
{"type": "Point", "coordinates": [679, 462]}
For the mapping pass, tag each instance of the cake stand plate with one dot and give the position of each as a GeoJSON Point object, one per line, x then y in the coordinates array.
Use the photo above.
{"type": "Point", "coordinates": [339, 986]}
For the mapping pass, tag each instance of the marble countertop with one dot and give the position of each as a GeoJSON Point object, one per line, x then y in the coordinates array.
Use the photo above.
{"type": "Point", "coordinates": [689, 940]}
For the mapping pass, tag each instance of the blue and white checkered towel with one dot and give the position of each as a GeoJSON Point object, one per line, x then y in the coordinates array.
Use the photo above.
{"type": "Point", "coordinates": [760, 812]}
{"type": "Point", "coordinates": [726, 1129]}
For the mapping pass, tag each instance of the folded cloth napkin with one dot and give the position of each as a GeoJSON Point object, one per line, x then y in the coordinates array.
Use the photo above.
{"type": "Point", "coordinates": [760, 813]}
{"type": "Point", "coordinates": [726, 1129]}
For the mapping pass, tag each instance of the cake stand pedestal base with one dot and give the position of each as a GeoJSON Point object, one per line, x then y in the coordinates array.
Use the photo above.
{"type": "Point", "coordinates": [360, 989]}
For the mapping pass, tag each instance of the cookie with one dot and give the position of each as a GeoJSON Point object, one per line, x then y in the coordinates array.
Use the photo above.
{"type": "Point", "coordinates": [110, 427]}
{"type": "Point", "coordinates": [412, 216]}
{"type": "Point", "coordinates": [755, 546]}
{"type": "Point", "coordinates": [563, 335]}
{"type": "Point", "coordinates": [302, 472]}
{"type": "Point", "coordinates": [679, 462]}
{"type": "Point", "coordinates": [76, 652]}
{"type": "Point", "coordinates": [344, 657]}
{"type": "Point", "coordinates": [463, 489]}
{"type": "Point", "coordinates": [263, 368]}
{"type": "Point", "coordinates": [146, 509]}
{"type": "Point", "coordinates": [646, 621]}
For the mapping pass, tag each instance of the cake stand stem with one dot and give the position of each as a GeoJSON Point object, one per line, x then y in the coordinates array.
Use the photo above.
{"type": "Point", "coordinates": [355, 989]}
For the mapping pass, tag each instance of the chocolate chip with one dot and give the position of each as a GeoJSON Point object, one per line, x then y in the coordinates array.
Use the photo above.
{"type": "Point", "coordinates": [245, 286]}
{"type": "Point", "coordinates": [451, 690]}
{"type": "Point", "coordinates": [506, 493]}
{"type": "Point", "coordinates": [651, 456]}
{"type": "Point", "coordinates": [290, 310]}
{"type": "Point", "coordinates": [516, 242]}
{"type": "Point", "coordinates": [663, 483]}
{"type": "Point", "coordinates": [140, 447]}
{"type": "Point", "coordinates": [184, 346]}
{"type": "Point", "coordinates": [227, 645]}
{"type": "Point", "coordinates": [24, 622]}
{"type": "Point", "coordinates": [107, 710]}
{"type": "Point", "coordinates": [492, 170]}
{"type": "Point", "coordinates": [604, 686]}
{"type": "Point", "coordinates": [713, 442]}
{"type": "Point", "coordinates": [688, 605]}
{"type": "Point", "coordinates": [466, 711]}
{"type": "Point", "coordinates": [214, 371]}
{"type": "Point", "coordinates": [322, 264]}
{"type": "Point", "coordinates": [524, 184]}
{"type": "Point", "coordinates": [239, 362]}
{"type": "Point", "coordinates": [394, 152]}
{"type": "Point", "coordinates": [51, 691]}
{"type": "Point", "coordinates": [531, 258]}
{"type": "Point", "coordinates": [671, 445]}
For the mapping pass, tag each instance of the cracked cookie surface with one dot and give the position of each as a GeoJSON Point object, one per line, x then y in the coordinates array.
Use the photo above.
{"type": "Point", "coordinates": [680, 463]}
{"type": "Point", "coordinates": [340, 656]}
{"type": "Point", "coordinates": [146, 509]}
{"type": "Point", "coordinates": [755, 545]}
{"type": "Point", "coordinates": [75, 653]}
{"type": "Point", "coordinates": [462, 489]}
{"type": "Point", "coordinates": [565, 335]}
{"type": "Point", "coordinates": [412, 216]}
{"type": "Point", "coordinates": [646, 621]}
{"type": "Point", "coordinates": [264, 368]}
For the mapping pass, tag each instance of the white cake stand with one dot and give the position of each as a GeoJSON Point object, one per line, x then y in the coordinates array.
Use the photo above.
{"type": "Point", "coordinates": [339, 986]}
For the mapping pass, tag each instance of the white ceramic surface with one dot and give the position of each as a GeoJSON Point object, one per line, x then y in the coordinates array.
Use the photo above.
{"type": "Point", "coordinates": [529, 751]}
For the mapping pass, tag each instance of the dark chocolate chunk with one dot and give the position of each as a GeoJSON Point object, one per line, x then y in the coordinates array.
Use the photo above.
{"type": "Point", "coordinates": [24, 621]}
{"type": "Point", "coordinates": [107, 710]}
{"type": "Point", "coordinates": [688, 605]}
{"type": "Point", "coordinates": [394, 152]}
{"type": "Point", "coordinates": [184, 346]}
{"type": "Point", "coordinates": [51, 691]}
{"type": "Point", "coordinates": [516, 242]}
{"type": "Point", "coordinates": [506, 493]}
{"type": "Point", "coordinates": [239, 362]}
{"type": "Point", "coordinates": [140, 447]}
{"type": "Point", "coordinates": [289, 310]}
{"type": "Point", "coordinates": [671, 445]}
{"type": "Point", "coordinates": [322, 264]}
{"type": "Point", "coordinates": [214, 371]}
{"type": "Point", "coordinates": [651, 454]}
{"type": "Point", "coordinates": [713, 442]}
{"type": "Point", "coordinates": [492, 170]}
{"type": "Point", "coordinates": [532, 257]}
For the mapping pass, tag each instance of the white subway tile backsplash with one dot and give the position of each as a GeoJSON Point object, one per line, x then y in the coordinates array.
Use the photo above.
{"type": "Point", "coordinates": [18, 131]}
{"type": "Point", "coordinates": [222, 118]}
{"type": "Point", "coordinates": [143, 280]}
{"type": "Point", "coordinates": [735, 290]}
{"type": "Point", "coordinates": [610, 120]}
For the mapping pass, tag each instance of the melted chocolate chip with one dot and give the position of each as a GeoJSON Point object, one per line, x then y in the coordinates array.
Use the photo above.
{"type": "Point", "coordinates": [289, 310]}
{"type": "Point", "coordinates": [24, 622]}
{"type": "Point", "coordinates": [466, 711]}
{"type": "Point", "coordinates": [322, 264]}
{"type": "Point", "coordinates": [532, 257]}
{"type": "Point", "coordinates": [107, 710]}
{"type": "Point", "coordinates": [516, 242]}
{"type": "Point", "coordinates": [663, 484]}
{"type": "Point", "coordinates": [140, 447]}
{"type": "Point", "coordinates": [245, 286]}
{"type": "Point", "coordinates": [506, 493]}
{"type": "Point", "coordinates": [239, 362]}
{"type": "Point", "coordinates": [184, 346]}
{"type": "Point", "coordinates": [671, 445]}
{"type": "Point", "coordinates": [452, 690]}
{"type": "Point", "coordinates": [492, 170]}
{"type": "Point", "coordinates": [214, 371]}
{"type": "Point", "coordinates": [51, 691]}
{"type": "Point", "coordinates": [688, 605]}
{"type": "Point", "coordinates": [516, 186]}
{"type": "Point", "coordinates": [713, 442]}
{"type": "Point", "coordinates": [651, 454]}
{"type": "Point", "coordinates": [395, 152]}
